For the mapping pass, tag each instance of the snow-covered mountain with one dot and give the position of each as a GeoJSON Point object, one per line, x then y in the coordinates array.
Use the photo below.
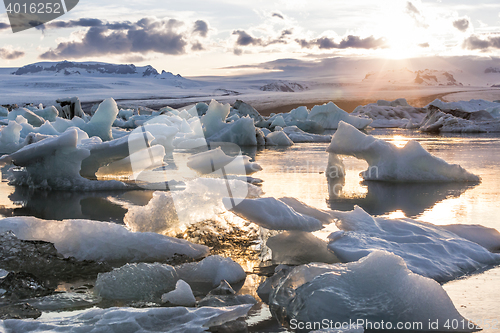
{"type": "Point", "coordinates": [284, 86]}
{"type": "Point", "coordinates": [426, 77]}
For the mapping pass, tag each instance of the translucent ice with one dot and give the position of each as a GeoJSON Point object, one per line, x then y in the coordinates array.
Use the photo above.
{"type": "Point", "coordinates": [329, 115]}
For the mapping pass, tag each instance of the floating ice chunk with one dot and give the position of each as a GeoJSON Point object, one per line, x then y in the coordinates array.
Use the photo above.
{"type": "Point", "coordinates": [215, 159]}
{"type": "Point", "coordinates": [428, 250]}
{"type": "Point", "coordinates": [299, 113]}
{"type": "Point", "coordinates": [486, 237]}
{"type": "Point", "coordinates": [298, 248]}
{"type": "Point", "coordinates": [200, 201]}
{"type": "Point", "coordinates": [390, 114]}
{"type": "Point", "coordinates": [297, 135]}
{"type": "Point", "coordinates": [278, 138]}
{"type": "Point", "coordinates": [136, 163]}
{"type": "Point", "coordinates": [4, 112]}
{"type": "Point", "coordinates": [30, 116]}
{"type": "Point", "coordinates": [142, 281]}
{"type": "Point", "coordinates": [182, 295]}
{"type": "Point", "coordinates": [378, 288]}
{"type": "Point", "coordinates": [323, 215]}
{"type": "Point", "coordinates": [10, 137]}
{"type": "Point", "coordinates": [163, 134]}
{"type": "Point", "coordinates": [243, 109]}
{"type": "Point", "coordinates": [226, 300]}
{"type": "Point", "coordinates": [412, 163]}
{"type": "Point", "coordinates": [101, 241]}
{"type": "Point", "coordinates": [214, 120]}
{"type": "Point", "coordinates": [211, 270]}
{"type": "Point", "coordinates": [467, 106]}
{"type": "Point", "coordinates": [133, 320]}
{"type": "Point", "coordinates": [274, 214]}
{"type": "Point", "coordinates": [102, 120]}
{"type": "Point", "coordinates": [70, 108]}
{"type": "Point", "coordinates": [278, 121]}
{"type": "Point", "coordinates": [459, 122]}
{"type": "Point", "coordinates": [49, 113]}
{"type": "Point", "coordinates": [240, 132]}
{"type": "Point", "coordinates": [329, 115]}
{"type": "Point", "coordinates": [55, 163]}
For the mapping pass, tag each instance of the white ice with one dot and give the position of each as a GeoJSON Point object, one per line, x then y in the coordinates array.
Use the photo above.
{"type": "Point", "coordinates": [376, 288]}
{"type": "Point", "coordinates": [412, 163]}
{"type": "Point", "coordinates": [390, 114]}
{"type": "Point", "coordinates": [181, 296]}
{"type": "Point", "coordinates": [467, 106]}
{"type": "Point", "coordinates": [329, 115]}
{"type": "Point", "coordinates": [297, 135]}
{"type": "Point", "coordinates": [273, 214]}
{"type": "Point", "coordinates": [428, 250]}
{"type": "Point", "coordinates": [278, 138]}
{"type": "Point", "coordinates": [101, 241]}
{"type": "Point", "coordinates": [132, 320]}
{"type": "Point", "coordinates": [211, 160]}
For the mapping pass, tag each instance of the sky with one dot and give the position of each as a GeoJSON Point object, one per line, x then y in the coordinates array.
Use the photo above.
{"type": "Point", "coordinates": [223, 37]}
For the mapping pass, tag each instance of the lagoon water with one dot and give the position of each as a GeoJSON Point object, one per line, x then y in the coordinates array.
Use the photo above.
{"type": "Point", "coordinates": [298, 172]}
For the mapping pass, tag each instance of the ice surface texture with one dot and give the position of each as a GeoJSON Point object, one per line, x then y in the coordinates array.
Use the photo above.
{"type": "Point", "coordinates": [101, 241]}
{"type": "Point", "coordinates": [391, 114]}
{"type": "Point", "coordinates": [172, 320]}
{"type": "Point", "coordinates": [377, 288]}
{"type": "Point", "coordinates": [428, 250]}
{"type": "Point", "coordinates": [412, 163]}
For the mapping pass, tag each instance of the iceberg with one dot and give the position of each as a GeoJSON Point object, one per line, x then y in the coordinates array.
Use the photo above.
{"type": "Point", "coordinates": [181, 296]}
{"type": "Point", "coordinates": [412, 163]}
{"type": "Point", "coordinates": [428, 250]}
{"type": "Point", "coordinates": [329, 115]}
{"type": "Point", "coordinates": [133, 320]}
{"type": "Point", "coordinates": [273, 214]}
{"type": "Point", "coordinates": [374, 290]}
{"type": "Point", "coordinates": [467, 106]}
{"type": "Point", "coordinates": [391, 114]}
{"type": "Point", "coordinates": [278, 138]}
{"type": "Point", "coordinates": [458, 121]}
{"type": "Point", "coordinates": [102, 120]}
{"type": "Point", "coordinates": [215, 159]}
{"type": "Point", "coordinates": [298, 136]}
{"type": "Point", "coordinates": [101, 241]}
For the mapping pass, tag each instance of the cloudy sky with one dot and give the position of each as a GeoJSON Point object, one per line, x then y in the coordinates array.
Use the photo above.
{"type": "Point", "coordinates": [222, 37]}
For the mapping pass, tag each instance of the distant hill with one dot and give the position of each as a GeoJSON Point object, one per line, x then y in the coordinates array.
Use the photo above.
{"type": "Point", "coordinates": [426, 77]}
{"type": "Point", "coordinates": [99, 69]}
{"type": "Point", "coordinates": [284, 86]}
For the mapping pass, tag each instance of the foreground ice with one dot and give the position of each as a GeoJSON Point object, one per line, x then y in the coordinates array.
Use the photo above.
{"type": "Point", "coordinates": [428, 250]}
{"type": "Point", "coordinates": [329, 115]}
{"type": "Point", "coordinates": [200, 201]}
{"type": "Point", "coordinates": [181, 296]}
{"type": "Point", "coordinates": [124, 319]}
{"type": "Point", "coordinates": [101, 241]}
{"type": "Point", "coordinates": [378, 288]}
{"type": "Point", "coordinates": [412, 163]}
{"type": "Point", "coordinates": [391, 114]}
{"type": "Point", "coordinates": [148, 282]}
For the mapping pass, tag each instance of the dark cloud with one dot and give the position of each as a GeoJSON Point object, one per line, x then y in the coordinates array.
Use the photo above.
{"type": "Point", "coordinates": [424, 45]}
{"type": "Point", "coordinates": [146, 35]}
{"type": "Point", "coordinates": [461, 24]}
{"type": "Point", "coordinates": [200, 28]}
{"type": "Point", "coordinates": [348, 42]}
{"type": "Point", "coordinates": [10, 54]}
{"type": "Point", "coordinates": [196, 46]}
{"type": "Point", "coordinates": [278, 15]}
{"type": "Point", "coordinates": [237, 51]}
{"type": "Point", "coordinates": [475, 43]}
{"type": "Point", "coordinates": [416, 15]}
{"type": "Point", "coordinates": [245, 39]}
{"type": "Point", "coordinates": [86, 23]}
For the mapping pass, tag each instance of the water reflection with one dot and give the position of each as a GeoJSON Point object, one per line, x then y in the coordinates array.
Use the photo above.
{"type": "Point", "coordinates": [385, 197]}
{"type": "Point", "coordinates": [59, 205]}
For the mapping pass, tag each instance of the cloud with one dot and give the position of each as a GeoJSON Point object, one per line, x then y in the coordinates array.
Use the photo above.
{"type": "Point", "coordinates": [350, 41]}
{"type": "Point", "coordinates": [278, 15]}
{"type": "Point", "coordinates": [475, 43]}
{"type": "Point", "coordinates": [416, 15]}
{"type": "Point", "coordinates": [86, 23]}
{"type": "Point", "coordinates": [245, 39]}
{"type": "Point", "coordinates": [196, 46]}
{"type": "Point", "coordinates": [424, 45]}
{"type": "Point", "coordinates": [461, 24]}
{"type": "Point", "coordinates": [200, 28]}
{"type": "Point", "coordinates": [8, 54]}
{"type": "Point", "coordinates": [146, 35]}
